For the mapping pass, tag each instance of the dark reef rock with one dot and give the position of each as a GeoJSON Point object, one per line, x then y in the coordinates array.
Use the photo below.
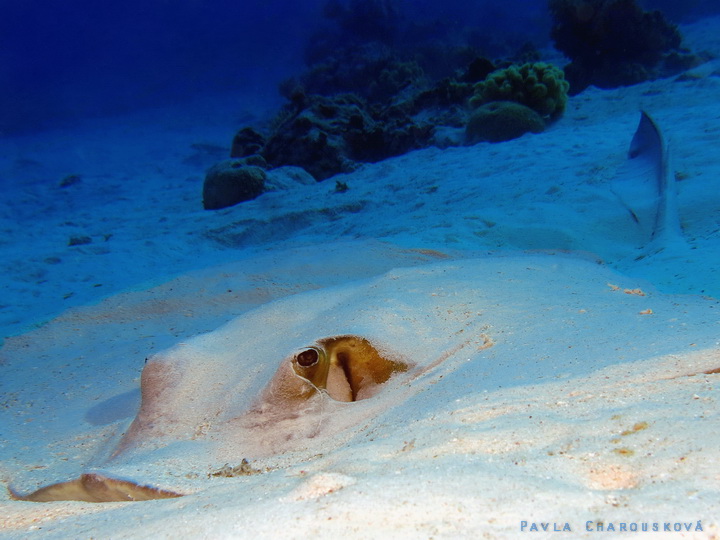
{"type": "Point", "coordinates": [230, 182]}
{"type": "Point", "coordinates": [256, 160]}
{"type": "Point", "coordinates": [328, 135]}
{"type": "Point", "coordinates": [392, 133]}
{"type": "Point", "coordinates": [478, 68]}
{"type": "Point", "coordinates": [246, 142]}
{"type": "Point", "coordinates": [612, 42]}
{"type": "Point", "coordinates": [310, 134]}
{"type": "Point", "coordinates": [446, 94]}
{"type": "Point", "coordinates": [500, 121]}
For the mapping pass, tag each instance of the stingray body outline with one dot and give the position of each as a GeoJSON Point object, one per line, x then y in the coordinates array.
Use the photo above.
{"type": "Point", "coordinates": [343, 369]}
{"type": "Point", "coordinates": [461, 327]}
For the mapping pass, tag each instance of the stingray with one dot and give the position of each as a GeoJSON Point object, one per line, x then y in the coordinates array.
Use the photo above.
{"type": "Point", "coordinates": [646, 188]}
{"type": "Point", "coordinates": [318, 372]}
{"type": "Point", "coordinates": [342, 368]}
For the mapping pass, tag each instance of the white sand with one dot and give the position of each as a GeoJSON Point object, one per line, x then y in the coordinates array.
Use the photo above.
{"type": "Point", "coordinates": [527, 430]}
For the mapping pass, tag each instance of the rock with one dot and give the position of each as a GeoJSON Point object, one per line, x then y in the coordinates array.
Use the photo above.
{"type": "Point", "coordinates": [79, 240]}
{"type": "Point", "coordinates": [612, 43]}
{"type": "Point", "coordinates": [246, 142]}
{"type": "Point", "coordinates": [312, 135]}
{"type": "Point", "coordinates": [479, 68]}
{"type": "Point", "coordinates": [390, 133]}
{"type": "Point", "coordinates": [256, 160]}
{"type": "Point", "coordinates": [231, 182]}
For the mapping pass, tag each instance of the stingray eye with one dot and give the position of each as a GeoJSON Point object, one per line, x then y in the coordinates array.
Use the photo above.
{"type": "Point", "coordinates": [307, 358]}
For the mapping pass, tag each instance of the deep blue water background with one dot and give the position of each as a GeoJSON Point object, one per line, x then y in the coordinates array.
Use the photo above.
{"type": "Point", "coordinates": [82, 57]}
{"type": "Point", "coordinates": [61, 60]}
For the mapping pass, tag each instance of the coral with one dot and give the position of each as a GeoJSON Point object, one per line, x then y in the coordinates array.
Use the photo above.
{"type": "Point", "coordinates": [230, 182]}
{"type": "Point", "coordinates": [369, 93]}
{"type": "Point", "coordinates": [611, 42]}
{"type": "Point", "coordinates": [501, 121]}
{"type": "Point", "coordinates": [540, 86]}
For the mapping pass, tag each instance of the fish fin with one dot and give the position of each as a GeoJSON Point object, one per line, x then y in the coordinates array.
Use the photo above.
{"type": "Point", "coordinates": [645, 186]}
{"type": "Point", "coordinates": [95, 487]}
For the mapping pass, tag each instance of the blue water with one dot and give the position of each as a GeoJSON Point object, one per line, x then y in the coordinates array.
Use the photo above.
{"type": "Point", "coordinates": [76, 58]}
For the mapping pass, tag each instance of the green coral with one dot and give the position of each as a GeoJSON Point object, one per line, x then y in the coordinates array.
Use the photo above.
{"type": "Point", "coordinates": [540, 86]}
{"type": "Point", "coordinates": [500, 121]}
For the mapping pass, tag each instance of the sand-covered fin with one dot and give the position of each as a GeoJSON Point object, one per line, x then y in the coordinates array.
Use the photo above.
{"type": "Point", "coordinates": [96, 488]}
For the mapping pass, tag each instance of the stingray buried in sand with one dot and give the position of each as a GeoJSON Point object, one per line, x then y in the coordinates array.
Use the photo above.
{"type": "Point", "coordinates": [401, 341]}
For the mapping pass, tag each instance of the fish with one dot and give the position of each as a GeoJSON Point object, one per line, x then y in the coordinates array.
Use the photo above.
{"type": "Point", "coordinates": [341, 368]}
{"type": "Point", "coordinates": [646, 188]}
{"type": "Point", "coordinates": [307, 383]}
{"type": "Point", "coordinates": [313, 374]}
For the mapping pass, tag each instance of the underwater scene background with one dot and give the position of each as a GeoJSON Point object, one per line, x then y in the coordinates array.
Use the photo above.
{"type": "Point", "coordinates": [359, 268]}
{"type": "Point", "coordinates": [78, 58]}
